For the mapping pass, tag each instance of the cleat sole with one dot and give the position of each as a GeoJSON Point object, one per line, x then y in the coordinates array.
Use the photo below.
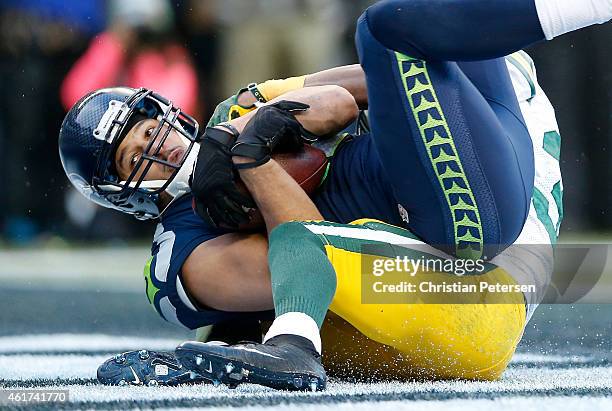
{"type": "Point", "coordinates": [210, 369]}
{"type": "Point", "coordinates": [155, 369]}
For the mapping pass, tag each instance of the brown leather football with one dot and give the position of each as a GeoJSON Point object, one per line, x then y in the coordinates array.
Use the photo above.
{"type": "Point", "coordinates": [306, 166]}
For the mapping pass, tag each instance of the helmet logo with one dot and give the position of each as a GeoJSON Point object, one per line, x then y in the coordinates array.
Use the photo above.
{"type": "Point", "coordinates": [117, 111]}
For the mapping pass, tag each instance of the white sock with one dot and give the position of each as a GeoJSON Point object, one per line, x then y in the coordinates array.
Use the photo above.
{"type": "Point", "coordinates": [562, 16]}
{"type": "Point", "coordinates": [297, 324]}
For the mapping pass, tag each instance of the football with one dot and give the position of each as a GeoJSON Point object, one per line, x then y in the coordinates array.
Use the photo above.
{"type": "Point", "coordinates": [307, 167]}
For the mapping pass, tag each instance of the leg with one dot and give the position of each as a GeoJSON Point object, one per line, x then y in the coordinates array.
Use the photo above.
{"type": "Point", "coordinates": [475, 335]}
{"type": "Point", "coordinates": [418, 337]}
{"type": "Point", "coordinates": [455, 30]}
{"type": "Point", "coordinates": [303, 285]}
{"type": "Point", "coordinates": [461, 165]}
{"type": "Point", "coordinates": [472, 337]}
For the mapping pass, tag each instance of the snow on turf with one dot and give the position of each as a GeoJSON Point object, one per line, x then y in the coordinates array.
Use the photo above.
{"type": "Point", "coordinates": [514, 380]}
{"type": "Point", "coordinates": [498, 404]}
{"type": "Point", "coordinates": [49, 357]}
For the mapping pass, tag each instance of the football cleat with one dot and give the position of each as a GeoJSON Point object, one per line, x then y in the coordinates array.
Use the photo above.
{"type": "Point", "coordinates": [285, 362]}
{"type": "Point", "coordinates": [145, 368]}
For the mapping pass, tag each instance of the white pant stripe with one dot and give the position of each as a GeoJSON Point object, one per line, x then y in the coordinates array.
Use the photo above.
{"type": "Point", "coordinates": [359, 233]}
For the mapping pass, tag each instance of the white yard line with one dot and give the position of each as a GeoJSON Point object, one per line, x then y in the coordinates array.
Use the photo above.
{"type": "Point", "coordinates": [81, 343]}
{"type": "Point", "coordinates": [522, 358]}
{"type": "Point", "coordinates": [84, 343]}
{"type": "Point", "coordinates": [34, 367]}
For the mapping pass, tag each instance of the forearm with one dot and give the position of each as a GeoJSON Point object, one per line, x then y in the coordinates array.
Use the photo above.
{"type": "Point", "coordinates": [351, 78]}
{"type": "Point", "coordinates": [331, 109]}
{"type": "Point", "coordinates": [279, 198]}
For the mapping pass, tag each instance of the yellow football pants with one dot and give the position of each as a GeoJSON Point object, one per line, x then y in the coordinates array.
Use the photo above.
{"type": "Point", "coordinates": [421, 337]}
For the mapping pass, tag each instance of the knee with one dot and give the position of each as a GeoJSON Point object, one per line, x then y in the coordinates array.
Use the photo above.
{"type": "Point", "coordinates": [292, 239]}
{"type": "Point", "coordinates": [399, 25]}
{"type": "Point", "coordinates": [290, 232]}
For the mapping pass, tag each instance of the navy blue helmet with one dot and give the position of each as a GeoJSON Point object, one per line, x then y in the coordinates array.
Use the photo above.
{"type": "Point", "coordinates": [91, 133]}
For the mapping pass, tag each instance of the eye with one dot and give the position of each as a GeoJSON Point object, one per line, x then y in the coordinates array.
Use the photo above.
{"type": "Point", "coordinates": [134, 160]}
{"type": "Point", "coordinates": [149, 132]}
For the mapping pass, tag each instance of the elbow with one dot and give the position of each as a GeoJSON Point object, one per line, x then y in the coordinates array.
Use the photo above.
{"type": "Point", "coordinates": [348, 108]}
{"type": "Point", "coordinates": [340, 108]}
{"type": "Point", "coordinates": [332, 108]}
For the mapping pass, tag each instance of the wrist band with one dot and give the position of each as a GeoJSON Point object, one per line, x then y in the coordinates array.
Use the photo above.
{"type": "Point", "coordinates": [253, 88]}
{"type": "Point", "coordinates": [274, 88]}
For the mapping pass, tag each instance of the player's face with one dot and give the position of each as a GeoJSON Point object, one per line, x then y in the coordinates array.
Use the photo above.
{"type": "Point", "coordinates": [134, 145]}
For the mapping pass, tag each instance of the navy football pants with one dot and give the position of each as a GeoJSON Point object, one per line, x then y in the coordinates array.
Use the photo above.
{"type": "Point", "coordinates": [450, 135]}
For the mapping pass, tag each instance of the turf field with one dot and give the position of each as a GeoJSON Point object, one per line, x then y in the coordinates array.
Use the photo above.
{"type": "Point", "coordinates": [64, 312]}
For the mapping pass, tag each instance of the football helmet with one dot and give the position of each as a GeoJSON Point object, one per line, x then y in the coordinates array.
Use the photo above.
{"type": "Point", "coordinates": [93, 129]}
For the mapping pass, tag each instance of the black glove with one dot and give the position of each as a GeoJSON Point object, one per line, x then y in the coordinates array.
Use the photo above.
{"type": "Point", "coordinates": [217, 199]}
{"type": "Point", "coordinates": [272, 127]}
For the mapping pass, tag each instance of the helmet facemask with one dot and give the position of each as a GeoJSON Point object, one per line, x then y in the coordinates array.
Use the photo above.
{"type": "Point", "coordinates": [135, 188]}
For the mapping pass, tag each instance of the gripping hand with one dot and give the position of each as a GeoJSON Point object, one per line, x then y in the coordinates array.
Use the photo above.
{"type": "Point", "coordinates": [272, 127]}
{"type": "Point", "coordinates": [217, 199]}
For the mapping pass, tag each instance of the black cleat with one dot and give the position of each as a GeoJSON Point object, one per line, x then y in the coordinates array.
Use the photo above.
{"type": "Point", "coordinates": [285, 362]}
{"type": "Point", "coordinates": [145, 368]}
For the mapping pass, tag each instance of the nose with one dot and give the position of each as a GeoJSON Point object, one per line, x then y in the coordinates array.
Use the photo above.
{"type": "Point", "coordinates": [166, 148]}
{"type": "Point", "coordinates": [165, 151]}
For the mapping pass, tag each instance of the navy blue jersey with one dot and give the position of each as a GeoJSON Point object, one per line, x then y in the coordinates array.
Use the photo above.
{"type": "Point", "coordinates": [355, 188]}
